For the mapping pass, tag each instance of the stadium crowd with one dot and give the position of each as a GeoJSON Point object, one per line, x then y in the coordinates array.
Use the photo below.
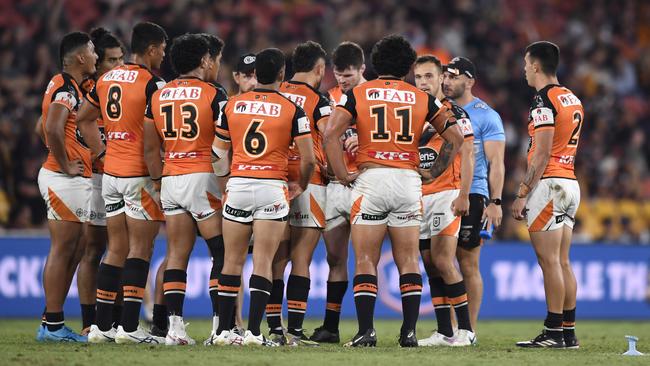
{"type": "Point", "coordinates": [605, 61]}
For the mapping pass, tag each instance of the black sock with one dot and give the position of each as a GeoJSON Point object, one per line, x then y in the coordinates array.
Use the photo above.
{"type": "Point", "coordinates": [174, 285]}
{"type": "Point", "coordinates": [457, 296]}
{"type": "Point", "coordinates": [569, 323]}
{"type": "Point", "coordinates": [87, 315]}
{"type": "Point", "coordinates": [54, 321]}
{"type": "Point", "coordinates": [228, 289]}
{"type": "Point", "coordinates": [108, 284]}
{"type": "Point", "coordinates": [260, 289]}
{"type": "Point", "coordinates": [441, 306]}
{"type": "Point", "coordinates": [335, 294]}
{"type": "Point", "coordinates": [553, 324]}
{"type": "Point", "coordinates": [215, 245]}
{"type": "Point", "coordinates": [160, 315]}
{"type": "Point", "coordinates": [136, 271]}
{"type": "Point", "coordinates": [43, 317]}
{"type": "Point", "coordinates": [297, 294]}
{"type": "Point", "coordinates": [274, 307]}
{"type": "Point", "coordinates": [365, 296]}
{"type": "Point", "coordinates": [410, 286]}
{"type": "Point", "coordinates": [117, 315]}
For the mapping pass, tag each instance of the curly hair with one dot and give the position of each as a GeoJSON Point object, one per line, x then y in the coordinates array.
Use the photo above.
{"type": "Point", "coordinates": [393, 55]}
{"type": "Point", "coordinates": [187, 51]}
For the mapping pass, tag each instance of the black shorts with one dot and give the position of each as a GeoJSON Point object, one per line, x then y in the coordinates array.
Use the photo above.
{"type": "Point", "coordinates": [471, 225]}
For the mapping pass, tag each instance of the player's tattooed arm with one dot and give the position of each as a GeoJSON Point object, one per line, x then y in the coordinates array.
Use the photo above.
{"type": "Point", "coordinates": [442, 161]}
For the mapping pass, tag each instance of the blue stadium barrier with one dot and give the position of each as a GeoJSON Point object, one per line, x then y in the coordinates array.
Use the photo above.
{"type": "Point", "coordinates": [612, 282]}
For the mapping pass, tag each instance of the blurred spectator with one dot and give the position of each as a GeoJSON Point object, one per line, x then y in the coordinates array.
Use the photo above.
{"type": "Point", "coordinates": [605, 61]}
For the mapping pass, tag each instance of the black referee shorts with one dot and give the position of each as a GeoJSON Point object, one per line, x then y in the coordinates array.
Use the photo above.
{"type": "Point", "coordinates": [471, 225]}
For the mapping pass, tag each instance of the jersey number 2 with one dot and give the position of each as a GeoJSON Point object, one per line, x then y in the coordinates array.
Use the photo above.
{"type": "Point", "coordinates": [575, 135]}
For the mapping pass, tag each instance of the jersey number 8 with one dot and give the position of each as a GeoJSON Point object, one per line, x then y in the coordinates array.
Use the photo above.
{"type": "Point", "coordinates": [114, 102]}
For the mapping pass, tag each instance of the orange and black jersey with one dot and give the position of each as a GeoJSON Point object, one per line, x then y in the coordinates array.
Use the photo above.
{"type": "Point", "coordinates": [556, 107]}
{"type": "Point", "coordinates": [64, 90]}
{"type": "Point", "coordinates": [98, 166]}
{"type": "Point", "coordinates": [316, 107]}
{"type": "Point", "coordinates": [122, 94]}
{"type": "Point", "coordinates": [261, 125]}
{"type": "Point", "coordinates": [390, 115]}
{"type": "Point", "coordinates": [185, 111]}
{"type": "Point", "coordinates": [430, 145]}
{"type": "Point", "coordinates": [335, 95]}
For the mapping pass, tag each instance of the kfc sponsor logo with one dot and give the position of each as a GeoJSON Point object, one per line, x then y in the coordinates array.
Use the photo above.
{"type": "Point", "coordinates": [120, 136]}
{"type": "Point", "coordinates": [184, 155]}
{"type": "Point", "coordinates": [255, 167]}
{"type": "Point", "coordinates": [392, 155]}
{"type": "Point", "coordinates": [390, 95]}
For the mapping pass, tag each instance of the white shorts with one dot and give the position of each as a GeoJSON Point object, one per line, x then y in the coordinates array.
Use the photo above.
{"type": "Point", "coordinates": [196, 193]}
{"type": "Point", "coordinates": [97, 207]}
{"type": "Point", "coordinates": [387, 196]}
{"type": "Point", "coordinates": [249, 199]}
{"type": "Point", "coordinates": [337, 208]}
{"type": "Point", "coordinates": [307, 210]}
{"type": "Point", "coordinates": [135, 197]}
{"type": "Point", "coordinates": [66, 197]}
{"type": "Point", "coordinates": [552, 204]}
{"type": "Point", "coordinates": [438, 218]}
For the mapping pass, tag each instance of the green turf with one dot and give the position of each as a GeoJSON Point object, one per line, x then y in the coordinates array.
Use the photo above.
{"type": "Point", "coordinates": [601, 344]}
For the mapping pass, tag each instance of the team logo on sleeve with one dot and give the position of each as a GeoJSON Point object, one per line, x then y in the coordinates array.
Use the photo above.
{"type": "Point", "coordinates": [303, 125]}
{"type": "Point", "coordinates": [258, 108]}
{"type": "Point", "coordinates": [66, 98]}
{"type": "Point", "coordinates": [465, 126]}
{"type": "Point", "coordinates": [391, 95]}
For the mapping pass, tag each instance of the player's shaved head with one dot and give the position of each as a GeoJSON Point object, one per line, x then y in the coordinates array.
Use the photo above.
{"type": "Point", "coordinates": [306, 55]}
{"type": "Point", "coordinates": [71, 43]}
{"type": "Point", "coordinates": [347, 54]}
{"type": "Point", "coordinates": [393, 55]}
{"type": "Point", "coordinates": [547, 54]}
{"type": "Point", "coordinates": [269, 66]}
{"type": "Point", "coordinates": [146, 34]}
{"type": "Point", "coordinates": [187, 51]}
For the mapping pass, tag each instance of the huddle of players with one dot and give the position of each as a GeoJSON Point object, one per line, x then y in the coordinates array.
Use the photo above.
{"type": "Point", "coordinates": [280, 147]}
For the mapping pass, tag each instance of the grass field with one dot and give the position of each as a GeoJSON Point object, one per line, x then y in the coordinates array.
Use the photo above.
{"type": "Point", "coordinates": [601, 344]}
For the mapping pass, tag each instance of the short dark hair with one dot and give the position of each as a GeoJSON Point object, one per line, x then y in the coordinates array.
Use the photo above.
{"type": "Point", "coordinates": [347, 54]}
{"type": "Point", "coordinates": [393, 55]}
{"type": "Point", "coordinates": [429, 58]}
{"type": "Point", "coordinates": [268, 64]}
{"type": "Point", "coordinates": [102, 39]}
{"type": "Point", "coordinates": [187, 51]}
{"type": "Point", "coordinates": [215, 44]}
{"type": "Point", "coordinates": [306, 55]}
{"type": "Point", "coordinates": [548, 55]}
{"type": "Point", "coordinates": [71, 42]}
{"type": "Point", "coordinates": [146, 34]}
